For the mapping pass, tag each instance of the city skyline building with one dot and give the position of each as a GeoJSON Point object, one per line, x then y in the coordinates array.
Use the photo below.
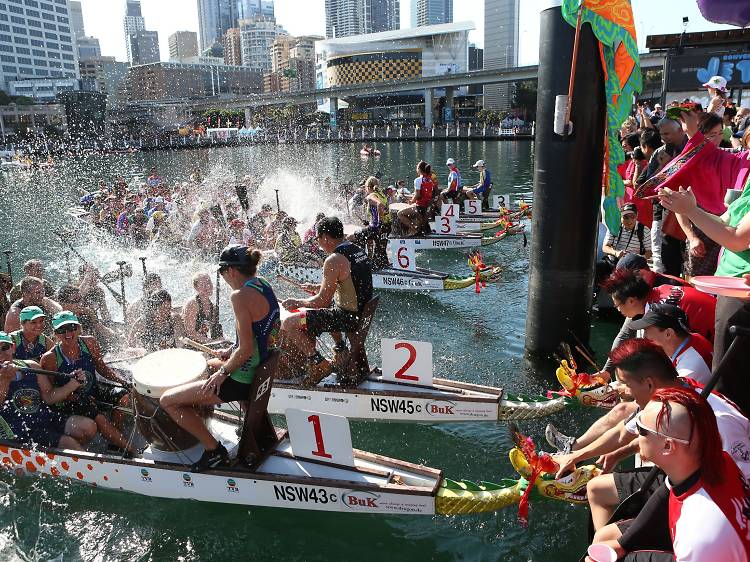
{"type": "Point", "coordinates": [501, 24]}
{"type": "Point", "coordinates": [256, 38]}
{"type": "Point", "coordinates": [76, 19]}
{"type": "Point", "coordinates": [434, 12]}
{"type": "Point", "coordinates": [232, 44]}
{"type": "Point", "coordinates": [247, 9]}
{"type": "Point", "coordinates": [143, 47]}
{"type": "Point", "coordinates": [382, 15]}
{"type": "Point", "coordinates": [105, 75]}
{"type": "Point", "coordinates": [215, 17]}
{"type": "Point", "coordinates": [132, 22]}
{"type": "Point", "coordinates": [26, 53]}
{"type": "Point", "coordinates": [88, 47]}
{"type": "Point", "coordinates": [345, 18]}
{"type": "Point", "coordinates": [183, 44]}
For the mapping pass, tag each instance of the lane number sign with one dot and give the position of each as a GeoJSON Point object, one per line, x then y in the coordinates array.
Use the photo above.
{"type": "Point", "coordinates": [403, 256]}
{"type": "Point", "coordinates": [446, 223]}
{"type": "Point", "coordinates": [473, 207]}
{"type": "Point", "coordinates": [499, 201]}
{"type": "Point", "coordinates": [407, 361]}
{"type": "Point", "coordinates": [322, 437]}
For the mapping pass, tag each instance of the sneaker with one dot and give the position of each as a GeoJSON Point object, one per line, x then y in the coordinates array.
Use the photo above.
{"type": "Point", "coordinates": [563, 443]}
{"type": "Point", "coordinates": [316, 372]}
{"type": "Point", "coordinates": [211, 459]}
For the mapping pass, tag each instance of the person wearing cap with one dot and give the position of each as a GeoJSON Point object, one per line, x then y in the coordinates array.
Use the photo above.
{"type": "Point", "coordinates": [256, 313]}
{"type": "Point", "coordinates": [667, 326]}
{"type": "Point", "coordinates": [32, 294]}
{"type": "Point", "coordinates": [336, 306]}
{"type": "Point", "coordinates": [483, 187]}
{"type": "Point", "coordinates": [633, 237]}
{"type": "Point", "coordinates": [454, 191]}
{"type": "Point", "coordinates": [154, 179]}
{"type": "Point", "coordinates": [79, 357]}
{"type": "Point", "coordinates": [717, 89]}
{"type": "Point", "coordinates": [23, 406]}
{"type": "Point", "coordinates": [159, 327]}
{"type": "Point", "coordinates": [30, 342]}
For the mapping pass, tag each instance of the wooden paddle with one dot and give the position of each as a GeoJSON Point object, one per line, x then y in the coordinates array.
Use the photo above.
{"type": "Point", "coordinates": [635, 501]}
{"type": "Point", "coordinates": [36, 371]}
{"type": "Point", "coordinates": [296, 283]}
{"type": "Point", "coordinates": [200, 347]}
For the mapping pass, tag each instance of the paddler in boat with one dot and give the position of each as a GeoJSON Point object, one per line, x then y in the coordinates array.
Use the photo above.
{"type": "Point", "coordinates": [256, 313]}
{"type": "Point", "coordinates": [454, 193]}
{"type": "Point", "coordinates": [32, 294]}
{"type": "Point", "coordinates": [335, 308]}
{"type": "Point", "coordinates": [379, 225]}
{"type": "Point", "coordinates": [159, 327]}
{"type": "Point", "coordinates": [151, 284]}
{"type": "Point", "coordinates": [69, 297]}
{"type": "Point", "coordinates": [81, 357]}
{"type": "Point", "coordinates": [5, 287]}
{"type": "Point", "coordinates": [288, 246]}
{"type": "Point", "coordinates": [30, 343]}
{"type": "Point", "coordinates": [33, 268]}
{"type": "Point", "coordinates": [199, 311]}
{"type": "Point", "coordinates": [414, 217]}
{"type": "Point", "coordinates": [483, 187]}
{"type": "Point", "coordinates": [23, 406]}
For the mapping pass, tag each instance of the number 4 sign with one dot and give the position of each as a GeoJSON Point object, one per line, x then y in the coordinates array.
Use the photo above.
{"type": "Point", "coordinates": [322, 437]}
{"type": "Point", "coordinates": [403, 255]}
{"type": "Point", "coordinates": [406, 361]}
{"type": "Point", "coordinates": [446, 223]}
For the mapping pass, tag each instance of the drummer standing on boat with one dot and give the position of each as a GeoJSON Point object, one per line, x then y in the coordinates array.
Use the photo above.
{"type": "Point", "coordinates": [256, 313]}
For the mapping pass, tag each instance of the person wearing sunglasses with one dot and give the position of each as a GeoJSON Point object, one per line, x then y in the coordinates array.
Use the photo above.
{"type": "Point", "coordinates": [703, 512]}
{"type": "Point", "coordinates": [25, 412]}
{"type": "Point", "coordinates": [642, 368]}
{"type": "Point", "coordinates": [79, 357]}
{"type": "Point", "coordinates": [30, 341]}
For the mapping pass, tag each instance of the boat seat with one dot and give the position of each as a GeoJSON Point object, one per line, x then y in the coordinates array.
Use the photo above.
{"type": "Point", "coordinates": [258, 436]}
{"type": "Point", "coordinates": [357, 367]}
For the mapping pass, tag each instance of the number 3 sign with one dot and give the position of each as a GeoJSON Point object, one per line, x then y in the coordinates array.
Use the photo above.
{"type": "Point", "coordinates": [406, 361]}
{"type": "Point", "coordinates": [499, 201]}
{"type": "Point", "coordinates": [320, 436]}
{"type": "Point", "coordinates": [446, 223]}
{"type": "Point", "coordinates": [402, 255]}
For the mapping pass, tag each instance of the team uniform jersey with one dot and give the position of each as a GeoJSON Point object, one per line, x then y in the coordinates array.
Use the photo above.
{"type": "Point", "coordinates": [689, 363]}
{"type": "Point", "coordinates": [454, 180]}
{"type": "Point", "coordinates": [423, 186]}
{"type": "Point", "coordinates": [711, 522]}
{"type": "Point", "coordinates": [699, 307]}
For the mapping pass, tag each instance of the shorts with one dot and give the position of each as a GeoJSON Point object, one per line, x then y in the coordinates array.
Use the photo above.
{"type": "Point", "coordinates": [629, 481]}
{"type": "Point", "coordinates": [80, 406]}
{"type": "Point", "coordinates": [45, 431]}
{"type": "Point", "coordinates": [421, 210]}
{"type": "Point", "coordinates": [321, 320]}
{"type": "Point", "coordinates": [233, 391]}
{"type": "Point", "coordinates": [108, 394]}
{"type": "Point", "coordinates": [367, 233]}
{"type": "Point", "coordinates": [650, 528]}
{"type": "Point", "coordinates": [452, 195]}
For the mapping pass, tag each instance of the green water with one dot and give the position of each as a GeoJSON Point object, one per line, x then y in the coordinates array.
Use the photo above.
{"type": "Point", "coordinates": [477, 338]}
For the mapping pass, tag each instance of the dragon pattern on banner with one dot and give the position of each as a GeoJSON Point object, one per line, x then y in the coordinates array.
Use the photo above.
{"type": "Point", "coordinates": [613, 25]}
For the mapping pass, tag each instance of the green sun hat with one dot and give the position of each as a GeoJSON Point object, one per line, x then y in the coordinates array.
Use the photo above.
{"type": "Point", "coordinates": [31, 313]}
{"type": "Point", "coordinates": [5, 338]}
{"type": "Point", "coordinates": [64, 317]}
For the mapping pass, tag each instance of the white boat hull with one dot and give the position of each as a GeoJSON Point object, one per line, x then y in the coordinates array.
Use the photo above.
{"type": "Point", "coordinates": [389, 279]}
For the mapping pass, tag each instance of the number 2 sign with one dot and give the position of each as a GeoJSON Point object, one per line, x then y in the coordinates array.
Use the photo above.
{"type": "Point", "coordinates": [407, 361]}
{"type": "Point", "coordinates": [403, 255]}
{"type": "Point", "coordinates": [319, 436]}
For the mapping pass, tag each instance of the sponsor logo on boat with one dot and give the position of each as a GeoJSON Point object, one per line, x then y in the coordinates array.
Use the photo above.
{"type": "Point", "coordinates": [303, 494]}
{"type": "Point", "coordinates": [144, 475]}
{"type": "Point", "coordinates": [394, 406]}
{"type": "Point", "coordinates": [440, 408]}
{"type": "Point", "coordinates": [232, 486]}
{"type": "Point", "coordinates": [360, 500]}
{"type": "Point", "coordinates": [187, 480]}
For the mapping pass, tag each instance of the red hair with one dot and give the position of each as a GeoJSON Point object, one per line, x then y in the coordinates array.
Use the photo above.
{"type": "Point", "coordinates": [702, 423]}
{"type": "Point", "coordinates": [643, 358]}
{"type": "Point", "coordinates": [625, 283]}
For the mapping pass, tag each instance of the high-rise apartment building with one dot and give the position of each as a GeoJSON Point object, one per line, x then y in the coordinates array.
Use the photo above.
{"type": "Point", "coordinates": [247, 9]}
{"type": "Point", "coordinates": [88, 48]}
{"type": "Point", "coordinates": [280, 51]}
{"type": "Point", "coordinates": [215, 17]}
{"type": "Point", "coordinates": [256, 38]}
{"type": "Point", "coordinates": [500, 47]}
{"type": "Point", "coordinates": [105, 75]}
{"type": "Point", "coordinates": [143, 47]}
{"type": "Point", "coordinates": [183, 44]}
{"type": "Point", "coordinates": [232, 44]}
{"type": "Point", "coordinates": [292, 64]}
{"type": "Point", "coordinates": [433, 12]}
{"type": "Point", "coordinates": [76, 19]}
{"type": "Point", "coordinates": [356, 17]}
{"type": "Point", "coordinates": [36, 43]}
{"type": "Point", "coordinates": [132, 23]}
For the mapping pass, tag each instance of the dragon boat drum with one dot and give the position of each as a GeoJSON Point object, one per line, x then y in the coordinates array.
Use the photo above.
{"type": "Point", "coordinates": [396, 228]}
{"type": "Point", "coordinates": [153, 375]}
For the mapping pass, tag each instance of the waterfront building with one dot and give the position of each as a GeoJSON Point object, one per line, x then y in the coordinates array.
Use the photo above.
{"type": "Point", "coordinates": [34, 118]}
{"type": "Point", "coordinates": [104, 75]}
{"type": "Point", "coordinates": [292, 64]}
{"type": "Point", "coordinates": [88, 48]}
{"type": "Point", "coordinates": [256, 38]}
{"type": "Point", "coordinates": [247, 9]}
{"type": "Point", "coordinates": [280, 51]}
{"type": "Point", "coordinates": [171, 80]}
{"type": "Point", "coordinates": [42, 89]}
{"type": "Point", "coordinates": [476, 62]}
{"type": "Point", "coordinates": [143, 47]}
{"type": "Point", "coordinates": [215, 17]}
{"type": "Point", "coordinates": [433, 12]}
{"type": "Point", "coordinates": [500, 48]}
{"type": "Point", "coordinates": [76, 19]}
{"type": "Point", "coordinates": [345, 18]}
{"type": "Point", "coordinates": [183, 44]}
{"type": "Point", "coordinates": [85, 113]}
{"type": "Point", "coordinates": [232, 43]}
{"type": "Point", "coordinates": [36, 43]}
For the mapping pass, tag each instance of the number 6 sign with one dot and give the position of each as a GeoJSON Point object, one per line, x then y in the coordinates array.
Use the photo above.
{"type": "Point", "coordinates": [403, 255]}
{"type": "Point", "coordinates": [406, 361]}
{"type": "Point", "coordinates": [320, 436]}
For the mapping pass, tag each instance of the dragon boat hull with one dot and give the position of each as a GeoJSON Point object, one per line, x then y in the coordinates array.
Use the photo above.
{"type": "Point", "coordinates": [467, 240]}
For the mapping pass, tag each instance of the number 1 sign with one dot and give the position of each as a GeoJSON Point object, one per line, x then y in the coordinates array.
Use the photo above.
{"type": "Point", "coordinates": [322, 437]}
{"type": "Point", "coordinates": [402, 255]}
{"type": "Point", "coordinates": [406, 361]}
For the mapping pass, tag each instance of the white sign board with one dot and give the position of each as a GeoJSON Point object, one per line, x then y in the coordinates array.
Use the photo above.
{"type": "Point", "coordinates": [473, 207]}
{"type": "Point", "coordinates": [445, 224]}
{"type": "Point", "coordinates": [499, 201]}
{"type": "Point", "coordinates": [403, 256]}
{"type": "Point", "coordinates": [407, 361]}
{"type": "Point", "coordinates": [322, 437]}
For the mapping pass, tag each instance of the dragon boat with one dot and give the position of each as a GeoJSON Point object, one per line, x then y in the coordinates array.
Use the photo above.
{"type": "Point", "coordinates": [460, 240]}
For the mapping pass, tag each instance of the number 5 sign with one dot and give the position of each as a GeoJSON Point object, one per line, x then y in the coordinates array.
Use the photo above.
{"type": "Point", "coordinates": [406, 361]}
{"type": "Point", "coordinates": [320, 436]}
{"type": "Point", "coordinates": [473, 207]}
{"type": "Point", "coordinates": [403, 255]}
